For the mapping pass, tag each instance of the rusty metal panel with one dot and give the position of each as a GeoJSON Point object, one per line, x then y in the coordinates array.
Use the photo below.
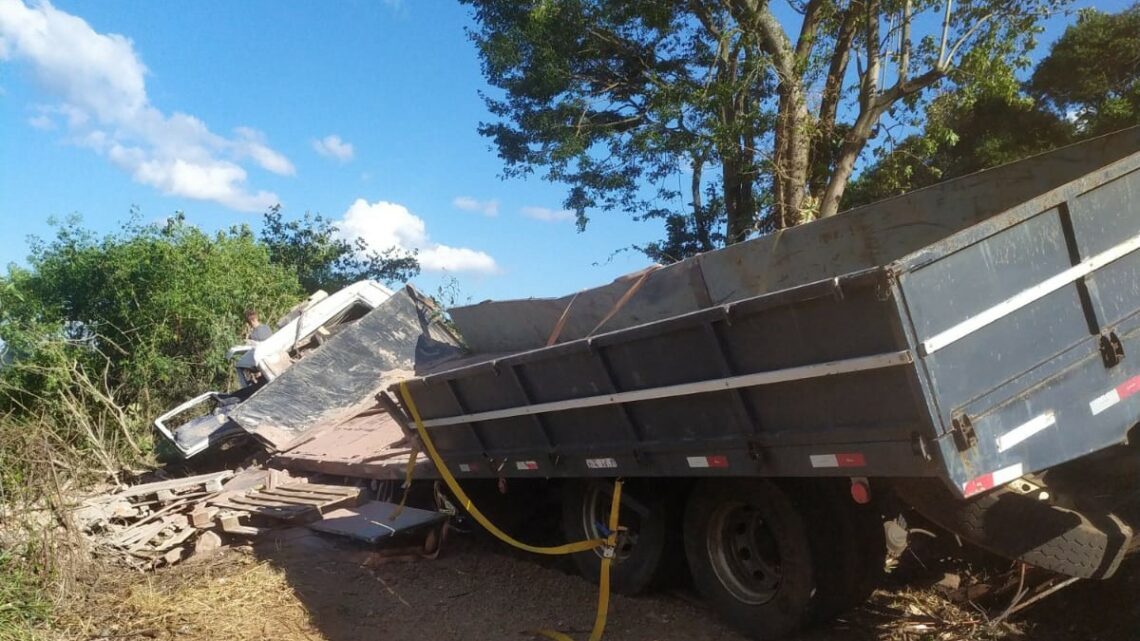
{"type": "Point", "coordinates": [368, 445]}
{"type": "Point", "coordinates": [373, 521]}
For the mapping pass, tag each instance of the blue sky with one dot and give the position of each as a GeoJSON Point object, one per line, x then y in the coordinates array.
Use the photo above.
{"type": "Point", "coordinates": [362, 111]}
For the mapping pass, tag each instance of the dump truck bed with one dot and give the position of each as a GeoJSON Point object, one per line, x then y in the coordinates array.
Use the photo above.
{"type": "Point", "coordinates": [973, 331]}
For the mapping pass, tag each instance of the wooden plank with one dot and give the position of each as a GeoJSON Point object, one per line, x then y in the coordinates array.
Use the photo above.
{"type": "Point", "coordinates": [288, 514]}
{"type": "Point", "coordinates": [261, 499]}
{"type": "Point", "coordinates": [232, 525]}
{"type": "Point", "coordinates": [172, 484]}
{"type": "Point", "coordinates": [175, 541]}
{"type": "Point", "coordinates": [203, 517]}
{"type": "Point", "coordinates": [251, 504]}
{"type": "Point", "coordinates": [128, 536]}
{"type": "Point", "coordinates": [301, 494]}
{"type": "Point", "coordinates": [141, 536]}
{"type": "Point", "coordinates": [317, 488]}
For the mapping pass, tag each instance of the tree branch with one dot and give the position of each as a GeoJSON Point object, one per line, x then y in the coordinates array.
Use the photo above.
{"type": "Point", "coordinates": [812, 17]}
{"type": "Point", "coordinates": [833, 85]}
{"type": "Point", "coordinates": [969, 34]}
{"type": "Point", "coordinates": [945, 33]}
{"type": "Point", "coordinates": [903, 89]}
{"type": "Point", "coordinates": [773, 40]}
{"type": "Point", "coordinates": [904, 44]}
{"type": "Point", "coordinates": [870, 85]}
{"type": "Point", "coordinates": [706, 18]}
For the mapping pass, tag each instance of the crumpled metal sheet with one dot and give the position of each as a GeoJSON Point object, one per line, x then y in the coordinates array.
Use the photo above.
{"type": "Point", "coordinates": [342, 377]}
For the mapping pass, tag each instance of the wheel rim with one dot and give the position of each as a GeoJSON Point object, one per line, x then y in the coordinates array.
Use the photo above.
{"type": "Point", "coordinates": [744, 553]}
{"type": "Point", "coordinates": [596, 512]}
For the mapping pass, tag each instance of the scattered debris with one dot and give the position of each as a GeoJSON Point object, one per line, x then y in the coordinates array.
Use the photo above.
{"type": "Point", "coordinates": [162, 523]}
{"type": "Point", "coordinates": [374, 521]}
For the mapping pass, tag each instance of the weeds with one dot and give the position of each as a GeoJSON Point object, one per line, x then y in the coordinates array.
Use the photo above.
{"type": "Point", "coordinates": [22, 602]}
{"type": "Point", "coordinates": [77, 435]}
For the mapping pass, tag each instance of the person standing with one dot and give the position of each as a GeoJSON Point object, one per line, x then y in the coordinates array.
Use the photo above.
{"type": "Point", "coordinates": [256, 330]}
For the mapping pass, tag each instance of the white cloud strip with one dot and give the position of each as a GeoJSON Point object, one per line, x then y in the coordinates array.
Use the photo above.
{"type": "Point", "coordinates": [489, 208]}
{"type": "Point", "coordinates": [333, 147]}
{"type": "Point", "coordinates": [547, 215]}
{"type": "Point", "coordinates": [384, 225]}
{"type": "Point", "coordinates": [98, 81]}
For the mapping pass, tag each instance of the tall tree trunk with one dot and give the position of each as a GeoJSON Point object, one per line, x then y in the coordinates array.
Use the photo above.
{"type": "Point", "coordinates": [701, 220]}
{"type": "Point", "coordinates": [793, 153]}
{"type": "Point", "coordinates": [853, 145]}
{"type": "Point", "coordinates": [739, 219]}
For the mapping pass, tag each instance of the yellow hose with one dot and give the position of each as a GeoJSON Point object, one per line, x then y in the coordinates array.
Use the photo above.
{"type": "Point", "coordinates": [608, 544]}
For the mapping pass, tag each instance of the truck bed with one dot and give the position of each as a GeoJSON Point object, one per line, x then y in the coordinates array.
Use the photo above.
{"type": "Point", "coordinates": [973, 331]}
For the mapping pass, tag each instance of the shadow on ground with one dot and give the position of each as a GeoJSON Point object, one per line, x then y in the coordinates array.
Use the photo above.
{"type": "Point", "coordinates": [479, 589]}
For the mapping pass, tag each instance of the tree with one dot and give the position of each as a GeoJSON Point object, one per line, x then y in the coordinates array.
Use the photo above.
{"type": "Point", "coordinates": [312, 248]}
{"type": "Point", "coordinates": [617, 97]}
{"type": "Point", "coordinates": [1092, 73]}
{"type": "Point", "coordinates": [149, 311]}
{"type": "Point", "coordinates": [983, 124]}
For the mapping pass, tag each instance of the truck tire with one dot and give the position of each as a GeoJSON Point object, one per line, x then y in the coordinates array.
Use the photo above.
{"type": "Point", "coordinates": [749, 555]}
{"type": "Point", "coordinates": [848, 545]}
{"type": "Point", "coordinates": [650, 554]}
{"type": "Point", "coordinates": [1023, 528]}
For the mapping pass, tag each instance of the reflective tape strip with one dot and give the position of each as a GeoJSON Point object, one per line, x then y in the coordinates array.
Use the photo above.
{"type": "Point", "coordinates": [707, 461]}
{"type": "Point", "coordinates": [526, 465]}
{"type": "Point", "coordinates": [1104, 401]}
{"type": "Point", "coordinates": [1037, 292]}
{"type": "Point", "coordinates": [993, 479]}
{"type": "Point", "coordinates": [843, 459]}
{"type": "Point", "coordinates": [1115, 395]}
{"type": "Point", "coordinates": [1025, 430]}
{"type": "Point", "coordinates": [601, 463]}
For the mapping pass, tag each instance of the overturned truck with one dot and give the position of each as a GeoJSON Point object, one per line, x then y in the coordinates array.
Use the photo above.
{"type": "Point", "coordinates": [970, 348]}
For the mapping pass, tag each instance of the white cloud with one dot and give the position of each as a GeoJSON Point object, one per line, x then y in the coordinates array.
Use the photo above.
{"type": "Point", "coordinates": [42, 121]}
{"type": "Point", "coordinates": [441, 258]}
{"type": "Point", "coordinates": [333, 147]}
{"type": "Point", "coordinates": [384, 225]}
{"type": "Point", "coordinates": [100, 83]}
{"type": "Point", "coordinates": [489, 208]}
{"type": "Point", "coordinates": [547, 215]}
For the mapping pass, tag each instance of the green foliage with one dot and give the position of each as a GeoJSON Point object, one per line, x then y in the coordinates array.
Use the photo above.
{"type": "Point", "coordinates": [1089, 84]}
{"type": "Point", "coordinates": [963, 133]}
{"type": "Point", "coordinates": [22, 602]}
{"type": "Point", "coordinates": [689, 234]}
{"type": "Point", "coordinates": [1093, 71]}
{"type": "Point", "coordinates": [602, 95]}
{"type": "Point", "coordinates": [312, 248]}
{"type": "Point", "coordinates": [622, 100]}
{"type": "Point", "coordinates": [145, 314]}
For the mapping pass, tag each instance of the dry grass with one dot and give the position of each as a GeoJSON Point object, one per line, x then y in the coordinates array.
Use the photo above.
{"type": "Point", "coordinates": [924, 615]}
{"type": "Point", "coordinates": [230, 596]}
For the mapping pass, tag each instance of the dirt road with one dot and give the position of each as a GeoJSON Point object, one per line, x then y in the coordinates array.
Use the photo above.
{"type": "Point", "coordinates": [477, 590]}
{"type": "Point", "coordinates": [308, 587]}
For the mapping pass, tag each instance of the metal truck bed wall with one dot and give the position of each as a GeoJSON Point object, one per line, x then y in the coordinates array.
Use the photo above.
{"type": "Point", "coordinates": [862, 238]}
{"type": "Point", "coordinates": [983, 355]}
{"type": "Point", "coordinates": [1027, 329]}
{"type": "Point", "coordinates": [343, 376]}
{"type": "Point", "coordinates": [806, 409]}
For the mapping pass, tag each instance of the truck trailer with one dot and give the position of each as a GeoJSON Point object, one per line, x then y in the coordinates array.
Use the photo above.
{"type": "Point", "coordinates": [969, 349]}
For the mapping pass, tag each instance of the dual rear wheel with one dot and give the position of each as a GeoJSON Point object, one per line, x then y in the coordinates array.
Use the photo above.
{"type": "Point", "coordinates": [769, 557]}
